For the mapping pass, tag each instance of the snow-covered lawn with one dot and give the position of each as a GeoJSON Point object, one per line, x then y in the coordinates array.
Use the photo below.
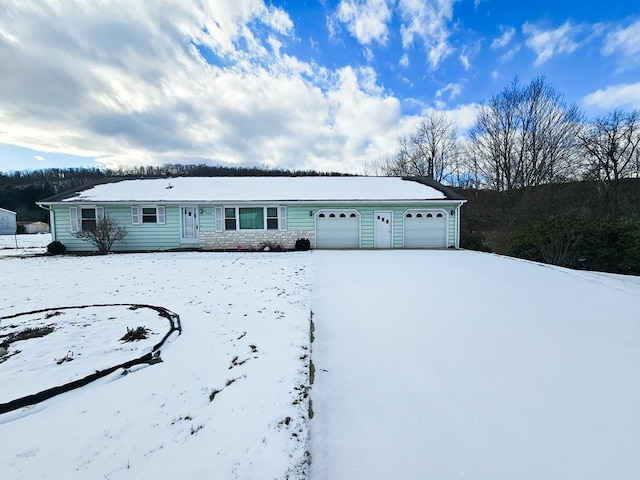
{"type": "Point", "coordinates": [80, 340]}
{"type": "Point", "coordinates": [12, 245]}
{"type": "Point", "coordinates": [428, 364]}
{"type": "Point", "coordinates": [228, 399]}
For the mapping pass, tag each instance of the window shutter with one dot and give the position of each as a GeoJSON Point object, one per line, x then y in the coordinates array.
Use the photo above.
{"type": "Point", "coordinates": [135, 215]}
{"type": "Point", "coordinates": [283, 218]}
{"type": "Point", "coordinates": [99, 212]}
{"type": "Point", "coordinates": [219, 219]}
{"type": "Point", "coordinates": [161, 215]}
{"type": "Point", "coordinates": [73, 215]}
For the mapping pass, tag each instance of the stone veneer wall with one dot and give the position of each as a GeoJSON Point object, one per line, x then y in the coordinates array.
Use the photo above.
{"type": "Point", "coordinates": [251, 239]}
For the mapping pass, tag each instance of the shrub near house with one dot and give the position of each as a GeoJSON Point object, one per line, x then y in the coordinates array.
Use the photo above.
{"type": "Point", "coordinates": [579, 243]}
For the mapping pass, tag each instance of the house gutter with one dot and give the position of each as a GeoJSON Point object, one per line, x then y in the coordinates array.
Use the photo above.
{"type": "Point", "coordinates": [250, 202]}
{"type": "Point", "coordinates": [52, 220]}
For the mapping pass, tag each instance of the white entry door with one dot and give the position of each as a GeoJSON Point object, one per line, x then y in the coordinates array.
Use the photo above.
{"type": "Point", "coordinates": [383, 229]}
{"type": "Point", "coordinates": [188, 225]}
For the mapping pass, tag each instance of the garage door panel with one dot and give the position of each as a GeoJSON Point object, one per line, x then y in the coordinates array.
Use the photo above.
{"type": "Point", "coordinates": [337, 229]}
{"type": "Point", "coordinates": [425, 229]}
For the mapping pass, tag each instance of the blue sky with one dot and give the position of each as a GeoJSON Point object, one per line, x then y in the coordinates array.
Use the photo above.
{"type": "Point", "coordinates": [325, 85]}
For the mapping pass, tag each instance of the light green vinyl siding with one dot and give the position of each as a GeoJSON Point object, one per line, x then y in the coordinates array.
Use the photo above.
{"type": "Point", "coordinates": [207, 218]}
{"type": "Point", "coordinates": [299, 218]}
{"type": "Point", "coordinates": [167, 236]}
{"type": "Point", "coordinates": [145, 236]}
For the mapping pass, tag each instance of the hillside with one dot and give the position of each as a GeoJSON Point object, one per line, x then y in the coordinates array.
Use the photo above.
{"type": "Point", "coordinates": [20, 190]}
{"type": "Point", "coordinates": [592, 220]}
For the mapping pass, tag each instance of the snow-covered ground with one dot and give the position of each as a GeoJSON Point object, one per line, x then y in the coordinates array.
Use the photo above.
{"type": "Point", "coordinates": [12, 245]}
{"type": "Point", "coordinates": [444, 364]}
{"type": "Point", "coordinates": [428, 364]}
{"type": "Point", "coordinates": [228, 399]}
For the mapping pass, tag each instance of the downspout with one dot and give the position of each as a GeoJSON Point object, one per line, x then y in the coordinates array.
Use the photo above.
{"type": "Point", "coordinates": [52, 222]}
{"type": "Point", "coordinates": [457, 226]}
{"type": "Point", "coordinates": [459, 209]}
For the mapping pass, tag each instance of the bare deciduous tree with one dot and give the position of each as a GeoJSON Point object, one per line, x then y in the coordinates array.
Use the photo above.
{"type": "Point", "coordinates": [431, 151]}
{"type": "Point", "coordinates": [107, 231]}
{"type": "Point", "coordinates": [611, 147]}
{"type": "Point", "coordinates": [525, 136]}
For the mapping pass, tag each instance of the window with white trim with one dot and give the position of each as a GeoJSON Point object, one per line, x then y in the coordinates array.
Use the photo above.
{"type": "Point", "coordinates": [153, 214]}
{"type": "Point", "coordinates": [255, 218]}
{"type": "Point", "coordinates": [85, 218]}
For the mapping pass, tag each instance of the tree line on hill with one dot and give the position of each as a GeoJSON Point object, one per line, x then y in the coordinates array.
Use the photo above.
{"type": "Point", "coordinates": [20, 190]}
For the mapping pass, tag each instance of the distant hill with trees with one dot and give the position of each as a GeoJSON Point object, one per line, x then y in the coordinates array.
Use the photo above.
{"type": "Point", "coordinates": [21, 189]}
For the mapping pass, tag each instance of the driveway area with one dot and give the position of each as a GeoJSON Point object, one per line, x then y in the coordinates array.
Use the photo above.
{"type": "Point", "coordinates": [452, 364]}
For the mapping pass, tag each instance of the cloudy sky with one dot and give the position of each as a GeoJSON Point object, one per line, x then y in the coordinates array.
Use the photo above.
{"type": "Point", "coordinates": [315, 84]}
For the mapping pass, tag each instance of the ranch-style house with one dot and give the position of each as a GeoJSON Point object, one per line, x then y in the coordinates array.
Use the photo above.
{"type": "Point", "coordinates": [222, 213]}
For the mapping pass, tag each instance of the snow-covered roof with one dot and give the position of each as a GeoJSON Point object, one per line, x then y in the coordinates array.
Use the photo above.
{"type": "Point", "coordinates": [260, 189]}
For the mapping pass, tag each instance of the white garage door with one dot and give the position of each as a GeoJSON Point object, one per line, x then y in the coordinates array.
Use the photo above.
{"type": "Point", "coordinates": [337, 229]}
{"type": "Point", "coordinates": [425, 229]}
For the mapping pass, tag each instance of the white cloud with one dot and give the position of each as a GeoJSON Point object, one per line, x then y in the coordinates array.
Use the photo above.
{"type": "Point", "coordinates": [366, 20]}
{"type": "Point", "coordinates": [404, 60]}
{"type": "Point", "coordinates": [547, 43]}
{"type": "Point", "coordinates": [421, 20]}
{"type": "Point", "coordinates": [39, 158]}
{"type": "Point", "coordinates": [428, 21]}
{"type": "Point", "coordinates": [464, 60]}
{"type": "Point", "coordinates": [279, 20]}
{"type": "Point", "coordinates": [505, 39]}
{"type": "Point", "coordinates": [126, 83]}
{"type": "Point", "coordinates": [462, 117]}
{"type": "Point", "coordinates": [509, 54]}
{"type": "Point", "coordinates": [467, 52]}
{"type": "Point", "coordinates": [453, 90]}
{"type": "Point", "coordinates": [624, 40]}
{"type": "Point", "coordinates": [367, 53]}
{"type": "Point", "coordinates": [625, 95]}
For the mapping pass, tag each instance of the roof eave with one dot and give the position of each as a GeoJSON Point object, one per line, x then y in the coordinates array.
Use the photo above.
{"type": "Point", "coordinates": [90, 201]}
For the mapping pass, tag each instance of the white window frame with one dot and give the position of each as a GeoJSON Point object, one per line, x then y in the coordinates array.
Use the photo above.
{"type": "Point", "coordinates": [75, 215]}
{"type": "Point", "coordinates": [221, 218]}
{"type": "Point", "coordinates": [137, 215]}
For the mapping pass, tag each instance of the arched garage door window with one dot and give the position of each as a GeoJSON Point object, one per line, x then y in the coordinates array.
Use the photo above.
{"type": "Point", "coordinates": [425, 228]}
{"type": "Point", "coordinates": [337, 229]}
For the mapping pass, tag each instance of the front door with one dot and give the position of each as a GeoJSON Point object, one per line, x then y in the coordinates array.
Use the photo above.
{"type": "Point", "coordinates": [383, 229]}
{"type": "Point", "coordinates": [188, 225]}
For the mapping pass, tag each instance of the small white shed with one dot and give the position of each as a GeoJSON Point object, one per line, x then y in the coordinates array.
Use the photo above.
{"type": "Point", "coordinates": [8, 223]}
{"type": "Point", "coordinates": [36, 227]}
